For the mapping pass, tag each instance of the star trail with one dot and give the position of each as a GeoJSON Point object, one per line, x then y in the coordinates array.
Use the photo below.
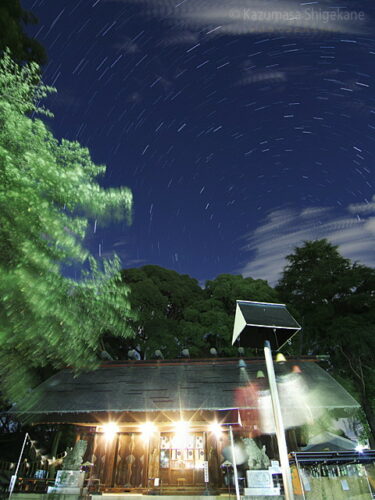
{"type": "Point", "coordinates": [242, 127]}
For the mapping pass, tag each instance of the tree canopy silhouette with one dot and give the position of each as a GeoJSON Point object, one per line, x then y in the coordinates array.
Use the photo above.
{"type": "Point", "coordinates": [336, 301]}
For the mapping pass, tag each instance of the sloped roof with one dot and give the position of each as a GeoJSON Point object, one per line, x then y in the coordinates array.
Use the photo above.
{"type": "Point", "coordinates": [329, 442]}
{"type": "Point", "coordinates": [138, 386]}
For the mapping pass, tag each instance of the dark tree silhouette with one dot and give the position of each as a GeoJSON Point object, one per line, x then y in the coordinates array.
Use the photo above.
{"type": "Point", "coordinates": [13, 22]}
{"type": "Point", "coordinates": [336, 301]}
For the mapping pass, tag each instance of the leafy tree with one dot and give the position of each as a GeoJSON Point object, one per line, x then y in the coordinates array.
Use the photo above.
{"type": "Point", "coordinates": [159, 296]}
{"type": "Point", "coordinates": [227, 288]}
{"type": "Point", "coordinates": [215, 314]}
{"type": "Point", "coordinates": [47, 189]}
{"type": "Point", "coordinates": [175, 313]}
{"type": "Point", "coordinates": [13, 20]}
{"type": "Point", "coordinates": [336, 301]}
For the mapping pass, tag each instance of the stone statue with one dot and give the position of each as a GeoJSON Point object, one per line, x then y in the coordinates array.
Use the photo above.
{"type": "Point", "coordinates": [74, 457]}
{"type": "Point", "coordinates": [258, 458]}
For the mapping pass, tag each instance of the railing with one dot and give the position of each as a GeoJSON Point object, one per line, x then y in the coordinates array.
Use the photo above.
{"type": "Point", "coordinates": [32, 476]}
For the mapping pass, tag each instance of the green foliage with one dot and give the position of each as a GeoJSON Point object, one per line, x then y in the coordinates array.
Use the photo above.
{"type": "Point", "coordinates": [47, 190]}
{"type": "Point", "coordinates": [175, 313]}
{"type": "Point", "coordinates": [314, 275]}
{"type": "Point", "coordinates": [336, 301]}
{"type": "Point", "coordinates": [228, 288]}
{"type": "Point", "coordinates": [215, 315]}
{"type": "Point", "coordinates": [160, 296]}
{"type": "Point", "coordinates": [13, 19]}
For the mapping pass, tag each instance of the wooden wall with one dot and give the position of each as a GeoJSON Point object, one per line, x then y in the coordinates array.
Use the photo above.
{"type": "Point", "coordinates": [120, 462]}
{"type": "Point", "coordinates": [129, 461]}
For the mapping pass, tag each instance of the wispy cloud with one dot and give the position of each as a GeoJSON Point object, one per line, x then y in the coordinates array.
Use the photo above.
{"type": "Point", "coordinates": [236, 17]}
{"type": "Point", "coordinates": [353, 231]}
{"type": "Point", "coordinates": [363, 208]}
{"type": "Point", "coordinates": [127, 45]}
{"type": "Point", "coordinates": [263, 76]}
{"type": "Point", "coordinates": [180, 38]}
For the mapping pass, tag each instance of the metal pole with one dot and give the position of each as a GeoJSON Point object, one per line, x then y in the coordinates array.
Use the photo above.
{"type": "Point", "coordinates": [148, 464]}
{"type": "Point", "coordinates": [14, 477]}
{"type": "Point", "coordinates": [234, 463]}
{"type": "Point", "coordinates": [300, 477]}
{"type": "Point", "coordinates": [280, 431]}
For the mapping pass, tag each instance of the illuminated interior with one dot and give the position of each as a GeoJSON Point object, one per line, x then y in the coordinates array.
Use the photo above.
{"type": "Point", "coordinates": [110, 430]}
{"type": "Point", "coordinates": [147, 429]}
{"type": "Point", "coordinates": [184, 451]}
{"type": "Point", "coordinates": [216, 429]}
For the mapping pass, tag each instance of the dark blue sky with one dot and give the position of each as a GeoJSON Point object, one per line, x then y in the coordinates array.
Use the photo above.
{"type": "Point", "coordinates": [242, 127]}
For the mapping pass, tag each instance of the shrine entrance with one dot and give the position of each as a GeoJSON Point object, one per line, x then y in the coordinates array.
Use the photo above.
{"type": "Point", "coordinates": [129, 461]}
{"type": "Point", "coordinates": [182, 458]}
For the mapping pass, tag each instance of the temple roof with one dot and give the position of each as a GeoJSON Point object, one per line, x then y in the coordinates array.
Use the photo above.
{"type": "Point", "coordinates": [220, 384]}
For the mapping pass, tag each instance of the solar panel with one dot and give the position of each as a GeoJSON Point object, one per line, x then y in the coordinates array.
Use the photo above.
{"type": "Point", "coordinates": [256, 322]}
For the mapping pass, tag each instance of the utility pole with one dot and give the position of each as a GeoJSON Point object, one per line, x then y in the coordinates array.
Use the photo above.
{"type": "Point", "coordinates": [234, 463]}
{"type": "Point", "coordinates": [279, 425]}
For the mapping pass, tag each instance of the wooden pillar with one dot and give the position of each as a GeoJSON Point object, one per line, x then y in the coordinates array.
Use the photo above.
{"type": "Point", "coordinates": [114, 460]}
{"type": "Point", "coordinates": [103, 457]}
{"type": "Point", "coordinates": [213, 443]}
{"type": "Point", "coordinates": [153, 470]}
{"type": "Point", "coordinates": [78, 435]}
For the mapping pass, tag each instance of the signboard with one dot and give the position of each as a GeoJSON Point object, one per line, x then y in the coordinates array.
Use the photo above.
{"type": "Point", "coordinates": [205, 471]}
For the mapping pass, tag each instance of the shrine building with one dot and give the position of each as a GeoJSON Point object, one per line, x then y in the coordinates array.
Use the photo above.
{"type": "Point", "coordinates": [159, 425]}
{"type": "Point", "coordinates": [202, 426]}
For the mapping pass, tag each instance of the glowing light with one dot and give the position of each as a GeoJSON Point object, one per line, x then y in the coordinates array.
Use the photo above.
{"type": "Point", "coordinates": [147, 429]}
{"type": "Point", "coordinates": [181, 434]}
{"type": "Point", "coordinates": [216, 429]}
{"type": "Point", "coordinates": [181, 427]}
{"type": "Point", "coordinates": [361, 447]}
{"type": "Point", "coordinates": [110, 430]}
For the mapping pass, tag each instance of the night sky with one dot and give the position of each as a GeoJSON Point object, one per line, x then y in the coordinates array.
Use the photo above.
{"type": "Point", "coordinates": [242, 127]}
